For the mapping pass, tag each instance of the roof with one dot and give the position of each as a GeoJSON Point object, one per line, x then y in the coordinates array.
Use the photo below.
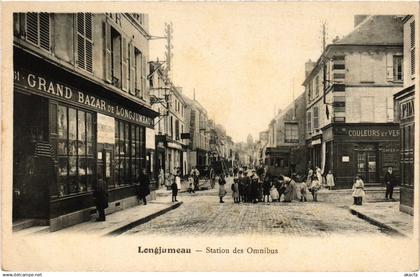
{"type": "Point", "coordinates": [376, 30]}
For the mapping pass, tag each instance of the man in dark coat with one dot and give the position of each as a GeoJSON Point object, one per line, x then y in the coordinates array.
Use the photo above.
{"type": "Point", "coordinates": [143, 186]}
{"type": "Point", "coordinates": [101, 199]}
{"type": "Point", "coordinates": [390, 181]}
{"type": "Point", "coordinates": [245, 186]}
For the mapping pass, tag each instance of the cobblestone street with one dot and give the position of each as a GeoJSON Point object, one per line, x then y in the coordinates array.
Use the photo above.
{"type": "Point", "coordinates": [202, 214]}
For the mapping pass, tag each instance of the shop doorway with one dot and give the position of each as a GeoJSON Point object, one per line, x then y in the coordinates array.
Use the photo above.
{"type": "Point", "coordinates": [33, 166]}
{"type": "Point", "coordinates": [367, 161]}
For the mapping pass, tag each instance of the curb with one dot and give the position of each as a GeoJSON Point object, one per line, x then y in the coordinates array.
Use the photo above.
{"type": "Point", "coordinates": [375, 222]}
{"type": "Point", "coordinates": [142, 220]}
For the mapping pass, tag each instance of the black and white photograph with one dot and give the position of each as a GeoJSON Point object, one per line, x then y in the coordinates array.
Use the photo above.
{"type": "Point", "coordinates": [222, 135]}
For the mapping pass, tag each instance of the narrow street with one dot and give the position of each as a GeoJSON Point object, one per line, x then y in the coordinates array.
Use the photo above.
{"type": "Point", "coordinates": [202, 214]}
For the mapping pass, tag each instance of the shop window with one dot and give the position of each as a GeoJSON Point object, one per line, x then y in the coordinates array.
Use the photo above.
{"type": "Point", "coordinates": [398, 68]}
{"type": "Point", "coordinates": [74, 150]}
{"type": "Point", "coordinates": [38, 29]}
{"type": "Point", "coordinates": [291, 132]}
{"type": "Point", "coordinates": [129, 150]}
{"type": "Point", "coordinates": [84, 41]}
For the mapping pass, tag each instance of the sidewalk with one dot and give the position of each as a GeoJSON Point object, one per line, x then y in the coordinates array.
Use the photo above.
{"type": "Point", "coordinates": [119, 222]}
{"type": "Point", "coordinates": [386, 215]}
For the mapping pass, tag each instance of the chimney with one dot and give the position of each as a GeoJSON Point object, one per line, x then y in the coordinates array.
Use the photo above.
{"type": "Point", "coordinates": [309, 66]}
{"type": "Point", "coordinates": [359, 18]}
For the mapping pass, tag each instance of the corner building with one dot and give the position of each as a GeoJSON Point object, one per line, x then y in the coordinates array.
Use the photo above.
{"type": "Point", "coordinates": [350, 107]}
{"type": "Point", "coordinates": [81, 113]}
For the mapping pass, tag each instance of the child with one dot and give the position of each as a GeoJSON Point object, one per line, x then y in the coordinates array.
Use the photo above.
{"type": "Point", "coordinates": [266, 188]}
{"type": "Point", "coordinates": [330, 180]}
{"type": "Point", "coordinates": [274, 194]}
{"type": "Point", "coordinates": [315, 186]}
{"type": "Point", "coordinates": [191, 188]}
{"type": "Point", "coordinates": [174, 191]}
{"type": "Point", "coordinates": [358, 191]}
{"type": "Point", "coordinates": [235, 190]}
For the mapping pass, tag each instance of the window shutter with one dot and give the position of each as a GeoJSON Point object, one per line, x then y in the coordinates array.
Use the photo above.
{"type": "Point", "coordinates": [139, 59]}
{"type": "Point", "coordinates": [44, 31]}
{"type": "Point", "coordinates": [144, 75]}
{"type": "Point", "coordinates": [107, 67]}
{"type": "Point", "coordinates": [389, 67]}
{"type": "Point", "coordinates": [124, 59]}
{"type": "Point", "coordinates": [89, 42]}
{"type": "Point", "coordinates": [80, 26]}
{"type": "Point", "coordinates": [32, 33]}
{"type": "Point", "coordinates": [132, 62]}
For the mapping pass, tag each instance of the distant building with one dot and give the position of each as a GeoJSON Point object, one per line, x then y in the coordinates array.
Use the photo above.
{"type": "Point", "coordinates": [349, 101]}
{"type": "Point", "coordinates": [404, 114]}
{"type": "Point", "coordinates": [199, 145]}
{"type": "Point", "coordinates": [286, 147]}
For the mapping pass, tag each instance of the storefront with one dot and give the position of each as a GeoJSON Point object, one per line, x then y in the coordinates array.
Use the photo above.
{"type": "Point", "coordinates": [404, 112]}
{"type": "Point", "coordinates": [68, 134]}
{"type": "Point", "coordinates": [361, 149]}
{"type": "Point", "coordinates": [314, 146]}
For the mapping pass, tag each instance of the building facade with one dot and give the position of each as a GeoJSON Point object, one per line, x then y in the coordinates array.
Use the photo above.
{"type": "Point", "coordinates": [287, 151]}
{"type": "Point", "coordinates": [81, 113]}
{"type": "Point", "coordinates": [404, 115]}
{"type": "Point", "coordinates": [168, 101]}
{"type": "Point", "coordinates": [349, 106]}
{"type": "Point", "coordinates": [199, 145]}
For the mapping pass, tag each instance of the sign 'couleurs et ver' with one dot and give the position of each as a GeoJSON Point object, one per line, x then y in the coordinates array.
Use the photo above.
{"type": "Point", "coordinates": [51, 88]}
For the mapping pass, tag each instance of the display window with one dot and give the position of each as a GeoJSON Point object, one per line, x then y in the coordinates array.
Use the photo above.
{"type": "Point", "coordinates": [129, 152]}
{"type": "Point", "coordinates": [75, 148]}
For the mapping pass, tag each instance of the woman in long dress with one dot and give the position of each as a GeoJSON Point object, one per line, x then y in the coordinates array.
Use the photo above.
{"type": "Point", "coordinates": [290, 193]}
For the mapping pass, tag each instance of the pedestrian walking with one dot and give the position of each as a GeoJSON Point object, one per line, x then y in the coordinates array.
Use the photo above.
{"type": "Point", "coordinates": [143, 186]}
{"type": "Point", "coordinates": [212, 176]}
{"type": "Point", "coordinates": [309, 178]}
{"type": "Point", "coordinates": [246, 183]}
{"type": "Point", "coordinates": [390, 182]}
{"type": "Point", "coordinates": [191, 188]}
{"type": "Point", "coordinates": [266, 188]}
{"type": "Point", "coordinates": [253, 188]}
{"type": "Point", "coordinates": [174, 188]}
{"type": "Point", "coordinates": [195, 173]}
{"type": "Point", "coordinates": [318, 173]}
{"type": "Point", "coordinates": [330, 180]}
{"type": "Point", "coordinates": [358, 191]}
{"type": "Point", "coordinates": [161, 177]}
{"type": "Point", "coordinates": [235, 190]}
{"type": "Point", "coordinates": [315, 186]}
{"type": "Point", "coordinates": [101, 199]}
{"type": "Point", "coordinates": [222, 190]}
{"type": "Point", "coordinates": [178, 179]}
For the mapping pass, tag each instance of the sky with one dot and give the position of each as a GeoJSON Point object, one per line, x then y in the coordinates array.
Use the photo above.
{"type": "Point", "coordinates": [244, 60]}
